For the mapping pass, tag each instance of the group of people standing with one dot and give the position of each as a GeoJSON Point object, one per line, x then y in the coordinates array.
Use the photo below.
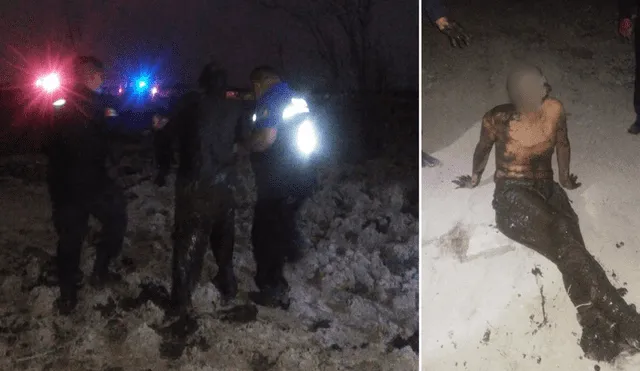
{"type": "Point", "coordinates": [211, 132]}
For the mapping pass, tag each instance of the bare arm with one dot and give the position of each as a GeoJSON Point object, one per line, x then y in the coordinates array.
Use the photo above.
{"type": "Point", "coordinates": [484, 146]}
{"type": "Point", "coordinates": [563, 148]}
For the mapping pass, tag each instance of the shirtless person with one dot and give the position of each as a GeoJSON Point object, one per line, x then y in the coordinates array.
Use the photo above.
{"type": "Point", "coordinates": [535, 211]}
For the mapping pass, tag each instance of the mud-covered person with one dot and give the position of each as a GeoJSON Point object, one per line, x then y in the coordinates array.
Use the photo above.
{"type": "Point", "coordinates": [437, 13]}
{"type": "Point", "coordinates": [283, 181]}
{"type": "Point", "coordinates": [79, 184]}
{"type": "Point", "coordinates": [534, 210]}
{"type": "Point", "coordinates": [205, 125]}
{"type": "Point", "coordinates": [626, 28]}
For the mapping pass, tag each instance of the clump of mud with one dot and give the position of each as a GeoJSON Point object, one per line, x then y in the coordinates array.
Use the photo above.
{"type": "Point", "coordinates": [354, 293]}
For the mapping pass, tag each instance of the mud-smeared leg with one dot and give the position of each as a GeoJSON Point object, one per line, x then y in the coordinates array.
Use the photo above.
{"type": "Point", "coordinates": [222, 241]}
{"type": "Point", "coordinates": [551, 228]}
{"type": "Point", "coordinates": [586, 271]}
{"type": "Point", "coordinates": [188, 252]}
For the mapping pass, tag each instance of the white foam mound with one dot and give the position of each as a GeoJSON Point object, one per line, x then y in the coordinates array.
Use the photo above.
{"type": "Point", "coordinates": [482, 302]}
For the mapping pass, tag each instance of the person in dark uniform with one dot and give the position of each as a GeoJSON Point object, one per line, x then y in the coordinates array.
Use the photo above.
{"type": "Point", "coordinates": [437, 13]}
{"type": "Point", "coordinates": [206, 126]}
{"type": "Point", "coordinates": [282, 146]}
{"type": "Point", "coordinates": [79, 183]}
{"type": "Point", "coordinates": [627, 9]}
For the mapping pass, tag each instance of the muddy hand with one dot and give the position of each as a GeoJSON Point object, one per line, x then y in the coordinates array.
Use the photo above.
{"type": "Point", "coordinates": [457, 35]}
{"type": "Point", "coordinates": [571, 182]}
{"type": "Point", "coordinates": [466, 181]}
{"type": "Point", "coordinates": [625, 28]}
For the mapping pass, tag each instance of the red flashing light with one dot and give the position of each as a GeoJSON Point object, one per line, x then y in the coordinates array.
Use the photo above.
{"type": "Point", "coordinates": [49, 83]}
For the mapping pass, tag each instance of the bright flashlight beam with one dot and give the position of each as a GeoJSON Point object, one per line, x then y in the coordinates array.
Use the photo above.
{"type": "Point", "coordinates": [307, 138]}
{"type": "Point", "coordinates": [49, 83]}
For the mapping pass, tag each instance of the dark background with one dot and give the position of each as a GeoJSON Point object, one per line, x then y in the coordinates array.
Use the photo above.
{"type": "Point", "coordinates": [176, 38]}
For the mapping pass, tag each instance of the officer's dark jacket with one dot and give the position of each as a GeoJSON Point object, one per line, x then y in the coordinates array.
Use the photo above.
{"type": "Point", "coordinates": [278, 170]}
{"type": "Point", "coordinates": [206, 126]}
{"type": "Point", "coordinates": [78, 145]}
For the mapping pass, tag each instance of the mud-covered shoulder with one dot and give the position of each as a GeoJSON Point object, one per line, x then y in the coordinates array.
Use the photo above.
{"type": "Point", "coordinates": [500, 114]}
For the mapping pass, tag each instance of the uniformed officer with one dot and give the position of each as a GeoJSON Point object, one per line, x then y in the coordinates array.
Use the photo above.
{"type": "Point", "coordinates": [282, 146]}
{"type": "Point", "coordinates": [79, 183]}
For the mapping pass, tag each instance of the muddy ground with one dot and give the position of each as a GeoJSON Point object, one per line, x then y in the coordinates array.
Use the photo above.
{"type": "Point", "coordinates": [489, 303]}
{"type": "Point", "coordinates": [355, 293]}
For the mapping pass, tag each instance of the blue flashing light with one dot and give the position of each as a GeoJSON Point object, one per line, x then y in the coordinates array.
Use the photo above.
{"type": "Point", "coordinates": [142, 84]}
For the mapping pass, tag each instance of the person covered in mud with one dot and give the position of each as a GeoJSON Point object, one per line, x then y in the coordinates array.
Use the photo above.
{"type": "Point", "coordinates": [205, 125]}
{"type": "Point", "coordinates": [437, 13]}
{"type": "Point", "coordinates": [283, 181]}
{"type": "Point", "coordinates": [627, 8]}
{"type": "Point", "coordinates": [534, 210]}
{"type": "Point", "coordinates": [79, 183]}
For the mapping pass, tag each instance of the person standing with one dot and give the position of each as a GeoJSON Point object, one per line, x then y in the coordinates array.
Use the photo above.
{"type": "Point", "coordinates": [205, 125]}
{"type": "Point", "coordinates": [79, 182]}
{"type": "Point", "coordinates": [281, 149]}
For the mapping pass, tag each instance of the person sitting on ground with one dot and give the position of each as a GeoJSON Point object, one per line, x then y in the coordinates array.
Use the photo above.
{"type": "Point", "coordinates": [534, 210]}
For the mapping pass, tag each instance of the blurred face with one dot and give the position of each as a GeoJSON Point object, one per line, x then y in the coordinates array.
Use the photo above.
{"type": "Point", "coordinates": [95, 80]}
{"type": "Point", "coordinates": [528, 90]}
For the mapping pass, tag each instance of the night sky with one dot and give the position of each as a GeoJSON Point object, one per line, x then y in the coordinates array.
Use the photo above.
{"type": "Point", "coordinates": [178, 37]}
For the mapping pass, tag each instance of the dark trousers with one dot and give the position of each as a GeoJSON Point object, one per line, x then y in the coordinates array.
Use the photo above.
{"type": "Point", "coordinates": [163, 151]}
{"type": "Point", "coordinates": [203, 217]}
{"type": "Point", "coordinates": [539, 215]}
{"type": "Point", "coordinates": [274, 235]}
{"type": "Point", "coordinates": [71, 221]}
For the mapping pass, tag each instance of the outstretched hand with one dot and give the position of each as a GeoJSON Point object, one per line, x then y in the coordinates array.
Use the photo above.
{"type": "Point", "coordinates": [466, 181]}
{"type": "Point", "coordinates": [571, 182]}
{"type": "Point", "coordinates": [457, 35]}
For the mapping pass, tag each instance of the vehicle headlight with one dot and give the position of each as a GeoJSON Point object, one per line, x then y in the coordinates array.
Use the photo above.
{"type": "Point", "coordinates": [296, 107]}
{"type": "Point", "coordinates": [306, 137]}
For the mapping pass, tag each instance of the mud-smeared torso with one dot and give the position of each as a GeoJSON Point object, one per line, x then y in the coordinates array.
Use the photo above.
{"type": "Point", "coordinates": [525, 142]}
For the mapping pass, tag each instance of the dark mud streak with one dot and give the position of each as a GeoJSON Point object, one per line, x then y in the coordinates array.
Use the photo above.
{"type": "Point", "coordinates": [543, 300]}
